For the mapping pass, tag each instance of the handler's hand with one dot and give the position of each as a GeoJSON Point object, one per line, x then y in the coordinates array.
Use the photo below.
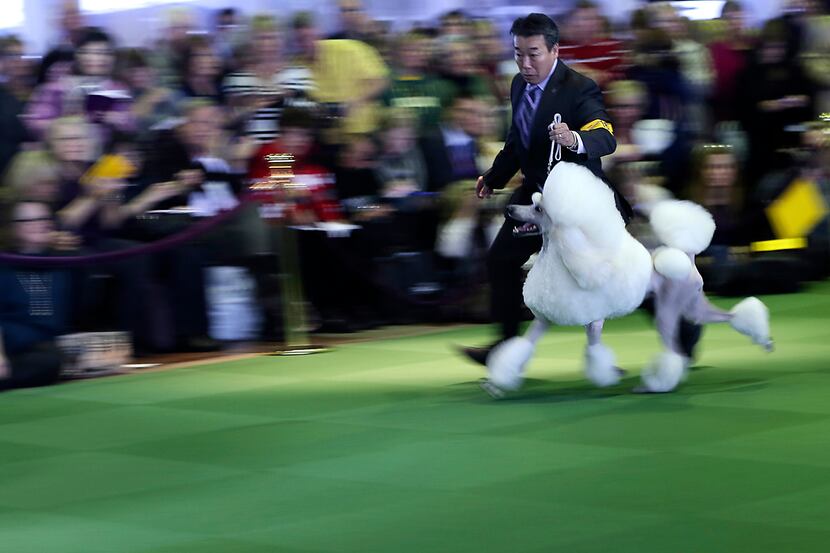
{"type": "Point", "coordinates": [482, 190]}
{"type": "Point", "coordinates": [561, 134]}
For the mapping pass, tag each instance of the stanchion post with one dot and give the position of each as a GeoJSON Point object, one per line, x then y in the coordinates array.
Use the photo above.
{"type": "Point", "coordinates": [280, 187]}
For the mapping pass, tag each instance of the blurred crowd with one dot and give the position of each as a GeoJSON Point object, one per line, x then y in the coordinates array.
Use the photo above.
{"type": "Point", "coordinates": [104, 148]}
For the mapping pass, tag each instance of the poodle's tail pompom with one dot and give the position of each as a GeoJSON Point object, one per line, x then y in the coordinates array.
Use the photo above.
{"type": "Point", "coordinates": [665, 372]}
{"type": "Point", "coordinates": [683, 225]}
{"type": "Point", "coordinates": [672, 263]}
{"type": "Point", "coordinates": [506, 363]}
{"type": "Point", "coordinates": [599, 366]}
{"type": "Point", "coordinates": [751, 317]}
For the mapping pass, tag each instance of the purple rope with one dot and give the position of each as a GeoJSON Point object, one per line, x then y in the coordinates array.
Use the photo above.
{"type": "Point", "coordinates": [169, 242]}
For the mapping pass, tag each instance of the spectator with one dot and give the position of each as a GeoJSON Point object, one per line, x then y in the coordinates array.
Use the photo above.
{"type": "Point", "coordinates": [201, 71]}
{"type": "Point", "coordinates": [267, 84]}
{"type": "Point", "coordinates": [228, 34]}
{"type": "Point", "coordinates": [492, 59]}
{"type": "Point", "coordinates": [816, 58]}
{"type": "Point", "coordinates": [89, 205]}
{"type": "Point", "coordinates": [412, 86]}
{"type": "Point", "coordinates": [776, 95]}
{"type": "Point", "coordinates": [730, 56]}
{"type": "Point", "coordinates": [657, 67]}
{"type": "Point", "coordinates": [587, 48]}
{"type": "Point", "coordinates": [349, 77]}
{"type": "Point", "coordinates": [169, 51]}
{"type": "Point", "coordinates": [35, 303]}
{"type": "Point", "coordinates": [451, 152]}
{"type": "Point", "coordinates": [462, 74]}
{"type": "Point", "coordinates": [90, 90]}
{"type": "Point", "coordinates": [353, 19]}
{"type": "Point", "coordinates": [12, 132]}
{"type": "Point", "coordinates": [71, 25]}
{"type": "Point", "coordinates": [153, 104]}
{"type": "Point", "coordinates": [695, 64]}
{"type": "Point", "coordinates": [54, 66]}
{"type": "Point", "coordinates": [34, 175]}
{"type": "Point", "coordinates": [16, 70]}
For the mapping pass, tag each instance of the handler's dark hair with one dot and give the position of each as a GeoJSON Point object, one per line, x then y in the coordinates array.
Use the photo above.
{"type": "Point", "coordinates": [537, 24]}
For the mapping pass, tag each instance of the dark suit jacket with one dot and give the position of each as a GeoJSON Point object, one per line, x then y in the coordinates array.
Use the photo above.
{"type": "Point", "coordinates": [439, 165]}
{"type": "Point", "coordinates": [578, 100]}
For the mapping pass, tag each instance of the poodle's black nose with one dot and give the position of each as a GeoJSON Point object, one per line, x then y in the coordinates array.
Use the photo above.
{"type": "Point", "coordinates": [507, 211]}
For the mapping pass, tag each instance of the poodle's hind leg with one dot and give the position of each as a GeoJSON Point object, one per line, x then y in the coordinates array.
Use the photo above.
{"type": "Point", "coordinates": [506, 363]}
{"type": "Point", "coordinates": [599, 359]}
{"type": "Point", "coordinates": [668, 368]}
{"type": "Point", "coordinates": [750, 317]}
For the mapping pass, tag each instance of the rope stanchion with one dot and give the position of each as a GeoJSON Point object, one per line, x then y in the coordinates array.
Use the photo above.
{"type": "Point", "coordinates": [169, 242]}
{"type": "Point", "coordinates": [295, 327]}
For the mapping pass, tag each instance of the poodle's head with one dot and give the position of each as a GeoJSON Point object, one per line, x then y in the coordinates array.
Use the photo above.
{"type": "Point", "coordinates": [534, 217]}
{"type": "Point", "coordinates": [572, 197]}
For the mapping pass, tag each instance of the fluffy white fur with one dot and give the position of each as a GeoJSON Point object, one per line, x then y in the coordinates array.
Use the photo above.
{"type": "Point", "coordinates": [665, 372]}
{"type": "Point", "coordinates": [683, 225]}
{"type": "Point", "coordinates": [672, 263]}
{"type": "Point", "coordinates": [574, 197]}
{"type": "Point", "coordinates": [506, 363]}
{"type": "Point", "coordinates": [599, 366]}
{"type": "Point", "coordinates": [751, 317]}
{"type": "Point", "coordinates": [591, 268]}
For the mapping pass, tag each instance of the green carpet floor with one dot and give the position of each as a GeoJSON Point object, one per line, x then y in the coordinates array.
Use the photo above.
{"type": "Point", "coordinates": [390, 446]}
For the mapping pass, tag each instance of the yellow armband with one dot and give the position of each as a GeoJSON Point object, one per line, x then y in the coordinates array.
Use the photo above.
{"type": "Point", "coordinates": [598, 124]}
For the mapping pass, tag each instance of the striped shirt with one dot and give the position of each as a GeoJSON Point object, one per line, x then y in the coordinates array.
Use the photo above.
{"type": "Point", "coordinates": [263, 124]}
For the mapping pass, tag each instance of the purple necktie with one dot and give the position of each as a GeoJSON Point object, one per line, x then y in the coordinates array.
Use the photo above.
{"type": "Point", "coordinates": [524, 117]}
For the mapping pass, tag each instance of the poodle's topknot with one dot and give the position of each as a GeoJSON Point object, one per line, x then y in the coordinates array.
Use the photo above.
{"type": "Point", "coordinates": [575, 197]}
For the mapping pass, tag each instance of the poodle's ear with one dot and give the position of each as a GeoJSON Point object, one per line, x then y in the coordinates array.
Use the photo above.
{"type": "Point", "coordinates": [536, 199]}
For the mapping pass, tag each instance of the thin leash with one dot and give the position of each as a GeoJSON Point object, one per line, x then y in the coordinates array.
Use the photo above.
{"type": "Point", "coordinates": [555, 148]}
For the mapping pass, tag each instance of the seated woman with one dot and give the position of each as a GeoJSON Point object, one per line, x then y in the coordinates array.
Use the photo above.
{"type": "Point", "coordinates": [716, 185]}
{"type": "Point", "coordinates": [34, 302]}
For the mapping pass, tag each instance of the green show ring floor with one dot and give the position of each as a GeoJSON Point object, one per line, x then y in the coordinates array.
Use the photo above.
{"type": "Point", "coordinates": [390, 446]}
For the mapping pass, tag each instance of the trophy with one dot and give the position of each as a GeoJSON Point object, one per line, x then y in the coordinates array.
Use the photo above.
{"type": "Point", "coordinates": [280, 188]}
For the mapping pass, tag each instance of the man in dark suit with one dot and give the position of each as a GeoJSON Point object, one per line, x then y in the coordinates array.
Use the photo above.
{"type": "Point", "coordinates": [543, 88]}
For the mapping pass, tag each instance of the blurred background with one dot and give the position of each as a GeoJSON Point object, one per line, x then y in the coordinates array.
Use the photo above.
{"type": "Point", "coordinates": [136, 207]}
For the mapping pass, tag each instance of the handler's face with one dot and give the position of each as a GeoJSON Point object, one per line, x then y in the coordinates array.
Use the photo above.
{"type": "Point", "coordinates": [533, 57]}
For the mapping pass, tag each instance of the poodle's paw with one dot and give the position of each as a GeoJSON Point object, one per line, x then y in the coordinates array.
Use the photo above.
{"type": "Point", "coordinates": [751, 318]}
{"type": "Point", "coordinates": [506, 363]}
{"type": "Point", "coordinates": [599, 366]}
{"type": "Point", "coordinates": [664, 373]}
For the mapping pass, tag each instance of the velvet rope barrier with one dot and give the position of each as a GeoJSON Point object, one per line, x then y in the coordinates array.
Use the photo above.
{"type": "Point", "coordinates": [194, 231]}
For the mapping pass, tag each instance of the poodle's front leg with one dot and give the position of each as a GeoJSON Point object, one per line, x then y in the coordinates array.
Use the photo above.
{"type": "Point", "coordinates": [599, 359]}
{"type": "Point", "coordinates": [594, 332]}
{"type": "Point", "coordinates": [671, 301]}
{"type": "Point", "coordinates": [536, 330]}
{"type": "Point", "coordinates": [506, 362]}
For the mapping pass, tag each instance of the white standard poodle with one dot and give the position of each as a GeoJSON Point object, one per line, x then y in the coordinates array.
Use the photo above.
{"type": "Point", "coordinates": [590, 269]}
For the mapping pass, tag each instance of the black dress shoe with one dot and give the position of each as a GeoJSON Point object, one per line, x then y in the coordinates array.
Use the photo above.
{"type": "Point", "coordinates": [476, 355]}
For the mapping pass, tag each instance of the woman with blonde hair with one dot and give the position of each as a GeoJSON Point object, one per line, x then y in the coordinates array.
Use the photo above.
{"type": "Point", "coordinates": [34, 175]}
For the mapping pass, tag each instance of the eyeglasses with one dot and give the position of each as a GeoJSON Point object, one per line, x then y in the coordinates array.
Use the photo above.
{"type": "Point", "coordinates": [30, 219]}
